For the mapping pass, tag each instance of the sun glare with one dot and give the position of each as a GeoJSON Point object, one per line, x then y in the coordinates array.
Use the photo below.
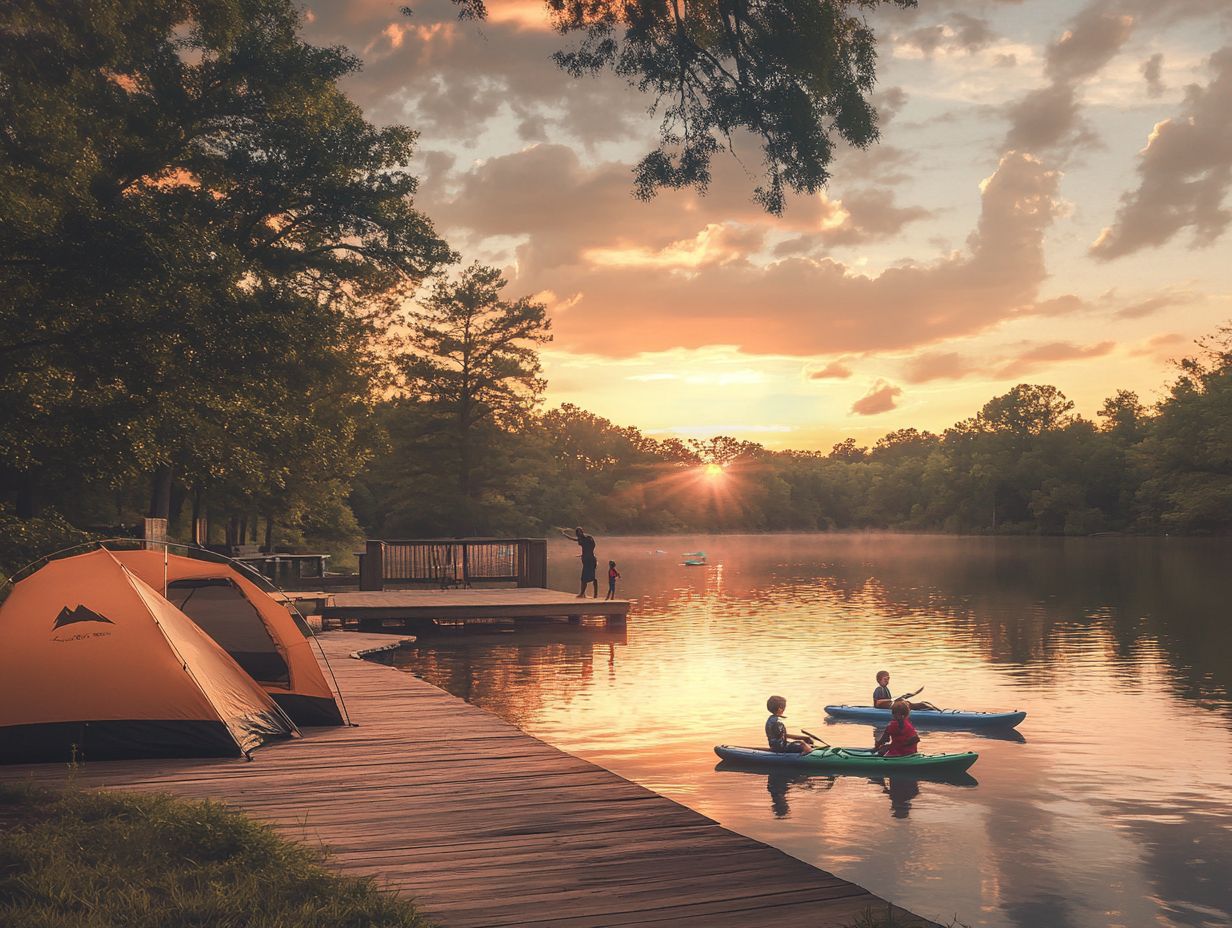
{"type": "Point", "coordinates": [714, 471]}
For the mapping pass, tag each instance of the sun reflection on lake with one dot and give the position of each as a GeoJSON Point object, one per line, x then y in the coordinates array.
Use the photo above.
{"type": "Point", "coordinates": [1113, 805]}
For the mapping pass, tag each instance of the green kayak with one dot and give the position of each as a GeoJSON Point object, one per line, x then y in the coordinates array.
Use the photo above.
{"type": "Point", "coordinates": [861, 759]}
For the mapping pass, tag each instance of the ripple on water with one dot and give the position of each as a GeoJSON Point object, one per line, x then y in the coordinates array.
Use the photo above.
{"type": "Point", "coordinates": [1110, 806]}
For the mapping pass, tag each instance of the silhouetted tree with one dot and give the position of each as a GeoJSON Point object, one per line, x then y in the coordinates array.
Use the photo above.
{"type": "Point", "coordinates": [473, 366]}
{"type": "Point", "coordinates": [202, 241]}
{"type": "Point", "coordinates": [793, 74]}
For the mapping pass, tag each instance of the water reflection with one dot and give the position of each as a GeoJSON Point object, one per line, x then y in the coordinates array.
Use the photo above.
{"type": "Point", "coordinates": [901, 791]}
{"type": "Point", "coordinates": [1109, 807]}
{"type": "Point", "coordinates": [900, 788]}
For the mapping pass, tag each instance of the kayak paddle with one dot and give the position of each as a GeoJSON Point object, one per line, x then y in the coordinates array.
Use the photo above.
{"type": "Point", "coordinates": [814, 737]}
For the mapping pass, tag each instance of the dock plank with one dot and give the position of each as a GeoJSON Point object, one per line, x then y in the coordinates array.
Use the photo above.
{"type": "Point", "coordinates": [468, 604]}
{"type": "Point", "coordinates": [519, 834]}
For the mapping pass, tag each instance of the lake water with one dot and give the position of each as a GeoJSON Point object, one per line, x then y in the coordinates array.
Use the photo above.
{"type": "Point", "coordinates": [1114, 807]}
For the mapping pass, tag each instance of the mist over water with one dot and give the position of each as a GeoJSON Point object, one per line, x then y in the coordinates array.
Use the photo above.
{"type": "Point", "coordinates": [1113, 808]}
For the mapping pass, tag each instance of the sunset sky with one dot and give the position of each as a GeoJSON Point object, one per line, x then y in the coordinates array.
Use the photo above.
{"type": "Point", "coordinates": [1048, 203]}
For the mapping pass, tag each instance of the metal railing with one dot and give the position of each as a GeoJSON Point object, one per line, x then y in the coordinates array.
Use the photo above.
{"type": "Point", "coordinates": [449, 562]}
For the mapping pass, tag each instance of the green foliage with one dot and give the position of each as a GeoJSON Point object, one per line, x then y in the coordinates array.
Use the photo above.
{"type": "Point", "coordinates": [472, 371]}
{"type": "Point", "coordinates": [1027, 409]}
{"type": "Point", "coordinates": [793, 75]}
{"type": "Point", "coordinates": [1188, 453]}
{"type": "Point", "coordinates": [106, 860]}
{"type": "Point", "coordinates": [1024, 463]}
{"type": "Point", "coordinates": [204, 245]}
{"type": "Point", "coordinates": [23, 541]}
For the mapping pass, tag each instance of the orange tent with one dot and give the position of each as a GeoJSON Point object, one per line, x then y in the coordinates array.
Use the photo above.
{"type": "Point", "coordinates": [250, 625]}
{"type": "Point", "coordinates": [95, 664]}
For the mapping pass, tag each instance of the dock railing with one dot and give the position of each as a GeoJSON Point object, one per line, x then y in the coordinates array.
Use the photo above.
{"type": "Point", "coordinates": [448, 562]}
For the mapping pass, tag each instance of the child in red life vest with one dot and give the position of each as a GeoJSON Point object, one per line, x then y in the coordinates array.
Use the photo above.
{"type": "Point", "coordinates": [612, 575]}
{"type": "Point", "coordinates": [900, 735]}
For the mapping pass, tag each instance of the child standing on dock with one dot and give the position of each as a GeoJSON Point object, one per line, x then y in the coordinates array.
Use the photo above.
{"type": "Point", "coordinates": [612, 576]}
{"type": "Point", "coordinates": [781, 741]}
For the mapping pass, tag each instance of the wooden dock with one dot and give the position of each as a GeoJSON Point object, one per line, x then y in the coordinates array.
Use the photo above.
{"type": "Point", "coordinates": [411, 609]}
{"type": "Point", "coordinates": [516, 834]}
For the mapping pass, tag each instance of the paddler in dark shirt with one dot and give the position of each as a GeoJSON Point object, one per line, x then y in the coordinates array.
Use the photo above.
{"type": "Point", "coordinates": [590, 563]}
{"type": "Point", "coordinates": [883, 699]}
{"type": "Point", "coordinates": [779, 739]}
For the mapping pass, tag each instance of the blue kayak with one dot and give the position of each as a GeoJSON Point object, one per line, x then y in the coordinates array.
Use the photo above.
{"type": "Point", "coordinates": [947, 718]}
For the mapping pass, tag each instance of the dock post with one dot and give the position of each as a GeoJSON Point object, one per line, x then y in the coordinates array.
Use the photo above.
{"type": "Point", "coordinates": [532, 562]}
{"type": "Point", "coordinates": [372, 570]}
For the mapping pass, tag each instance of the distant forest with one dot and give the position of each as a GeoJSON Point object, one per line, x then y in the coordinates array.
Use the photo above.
{"type": "Point", "coordinates": [220, 305]}
{"type": "Point", "coordinates": [1024, 463]}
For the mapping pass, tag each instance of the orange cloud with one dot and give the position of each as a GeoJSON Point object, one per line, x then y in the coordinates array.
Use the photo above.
{"type": "Point", "coordinates": [523, 14]}
{"type": "Point", "coordinates": [794, 306]}
{"type": "Point", "coordinates": [950, 365]}
{"type": "Point", "coordinates": [713, 245]}
{"type": "Point", "coordinates": [881, 397]}
{"type": "Point", "coordinates": [940, 365]}
{"type": "Point", "coordinates": [1042, 355]}
{"type": "Point", "coordinates": [1164, 347]}
{"type": "Point", "coordinates": [835, 370]}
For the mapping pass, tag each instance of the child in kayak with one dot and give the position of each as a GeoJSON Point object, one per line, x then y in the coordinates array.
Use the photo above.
{"type": "Point", "coordinates": [899, 738]}
{"type": "Point", "coordinates": [883, 699]}
{"type": "Point", "coordinates": [780, 740]}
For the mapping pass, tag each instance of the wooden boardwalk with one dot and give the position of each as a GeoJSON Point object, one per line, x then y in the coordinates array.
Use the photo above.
{"type": "Point", "coordinates": [523, 834]}
{"type": "Point", "coordinates": [408, 607]}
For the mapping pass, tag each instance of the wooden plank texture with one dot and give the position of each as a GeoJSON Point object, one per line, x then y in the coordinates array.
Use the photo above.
{"type": "Point", "coordinates": [522, 835]}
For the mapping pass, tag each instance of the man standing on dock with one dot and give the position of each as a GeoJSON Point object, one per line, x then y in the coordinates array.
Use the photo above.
{"type": "Point", "coordinates": [590, 563]}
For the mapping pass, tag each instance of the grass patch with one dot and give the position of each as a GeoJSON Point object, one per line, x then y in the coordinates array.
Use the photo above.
{"type": "Point", "coordinates": [83, 859]}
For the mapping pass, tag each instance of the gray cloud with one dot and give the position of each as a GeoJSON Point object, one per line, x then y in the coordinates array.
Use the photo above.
{"type": "Point", "coordinates": [1167, 12]}
{"type": "Point", "coordinates": [960, 32]}
{"type": "Point", "coordinates": [1151, 70]}
{"type": "Point", "coordinates": [1050, 116]}
{"type": "Point", "coordinates": [1184, 174]}
{"type": "Point", "coordinates": [867, 215]}
{"type": "Point", "coordinates": [452, 79]}
{"type": "Point", "coordinates": [1044, 118]}
{"type": "Point", "coordinates": [889, 102]}
{"type": "Point", "coordinates": [1093, 37]}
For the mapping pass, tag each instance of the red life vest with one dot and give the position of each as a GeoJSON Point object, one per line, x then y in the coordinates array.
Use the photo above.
{"type": "Point", "coordinates": [900, 731]}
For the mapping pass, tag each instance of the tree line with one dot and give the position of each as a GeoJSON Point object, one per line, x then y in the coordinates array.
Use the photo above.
{"type": "Point", "coordinates": [1024, 463]}
{"type": "Point", "coordinates": [220, 305]}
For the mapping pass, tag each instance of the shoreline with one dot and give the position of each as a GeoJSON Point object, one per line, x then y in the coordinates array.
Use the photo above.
{"type": "Point", "coordinates": [520, 833]}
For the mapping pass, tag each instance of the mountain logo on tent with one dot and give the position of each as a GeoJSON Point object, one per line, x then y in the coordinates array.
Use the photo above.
{"type": "Point", "coordinates": [80, 614]}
